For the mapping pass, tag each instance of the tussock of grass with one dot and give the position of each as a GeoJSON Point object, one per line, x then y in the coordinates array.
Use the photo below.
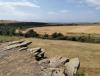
{"type": "Point", "coordinates": [80, 73]}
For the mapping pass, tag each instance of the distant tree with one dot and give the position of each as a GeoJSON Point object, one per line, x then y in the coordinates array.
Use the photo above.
{"type": "Point", "coordinates": [31, 33]}
{"type": "Point", "coordinates": [58, 36]}
{"type": "Point", "coordinates": [45, 36]}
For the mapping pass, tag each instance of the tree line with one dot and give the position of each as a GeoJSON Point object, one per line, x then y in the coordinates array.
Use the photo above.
{"type": "Point", "coordinates": [82, 37]}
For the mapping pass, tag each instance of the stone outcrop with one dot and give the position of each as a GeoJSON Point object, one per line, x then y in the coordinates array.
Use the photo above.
{"type": "Point", "coordinates": [72, 66]}
{"type": "Point", "coordinates": [16, 44]}
{"type": "Point", "coordinates": [58, 61]}
{"type": "Point", "coordinates": [54, 66]}
{"type": "Point", "coordinates": [38, 53]}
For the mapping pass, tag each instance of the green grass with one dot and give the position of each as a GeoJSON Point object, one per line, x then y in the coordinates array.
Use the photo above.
{"type": "Point", "coordinates": [8, 38]}
{"type": "Point", "coordinates": [80, 73]}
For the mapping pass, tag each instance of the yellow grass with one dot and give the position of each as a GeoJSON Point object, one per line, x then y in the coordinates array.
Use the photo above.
{"type": "Point", "coordinates": [88, 53]}
{"type": "Point", "coordinates": [66, 29]}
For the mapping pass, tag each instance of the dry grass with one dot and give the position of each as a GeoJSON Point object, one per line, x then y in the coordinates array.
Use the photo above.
{"type": "Point", "coordinates": [9, 38]}
{"type": "Point", "coordinates": [89, 54]}
{"type": "Point", "coordinates": [66, 29]}
{"type": "Point", "coordinates": [21, 64]}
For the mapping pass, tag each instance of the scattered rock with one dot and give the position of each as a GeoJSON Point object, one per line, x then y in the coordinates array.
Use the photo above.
{"type": "Point", "coordinates": [55, 66]}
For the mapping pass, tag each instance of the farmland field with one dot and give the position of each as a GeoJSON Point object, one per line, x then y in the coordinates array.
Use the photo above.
{"type": "Point", "coordinates": [69, 29]}
{"type": "Point", "coordinates": [87, 52]}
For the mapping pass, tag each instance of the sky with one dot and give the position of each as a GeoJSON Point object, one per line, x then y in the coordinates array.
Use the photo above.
{"type": "Point", "coordinates": [63, 11]}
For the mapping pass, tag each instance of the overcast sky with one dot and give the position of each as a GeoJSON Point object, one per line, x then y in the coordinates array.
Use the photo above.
{"type": "Point", "coordinates": [50, 10]}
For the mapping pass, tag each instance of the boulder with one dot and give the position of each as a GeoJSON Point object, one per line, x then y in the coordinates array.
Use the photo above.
{"type": "Point", "coordinates": [72, 66]}
{"type": "Point", "coordinates": [44, 63]}
{"type": "Point", "coordinates": [58, 61]}
{"type": "Point", "coordinates": [38, 53]}
{"type": "Point", "coordinates": [53, 72]}
{"type": "Point", "coordinates": [33, 50]}
{"type": "Point", "coordinates": [23, 44]}
{"type": "Point", "coordinates": [15, 42]}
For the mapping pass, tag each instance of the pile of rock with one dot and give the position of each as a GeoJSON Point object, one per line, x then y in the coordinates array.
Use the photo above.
{"type": "Point", "coordinates": [56, 66]}
{"type": "Point", "coordinates": [15, 44]}
{"type": "Point", "coordinates": [38, 53]}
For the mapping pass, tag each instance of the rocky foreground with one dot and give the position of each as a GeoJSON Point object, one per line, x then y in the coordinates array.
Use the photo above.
{"type": "Point", "coordinates": [17, 59]}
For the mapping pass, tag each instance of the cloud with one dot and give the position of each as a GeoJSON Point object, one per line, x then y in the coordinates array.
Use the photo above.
{"type": "Point", "coordinates": [90, 3]}
{"type": "Point", "coordinates": [95, 3]}
{"type": "Point", "coordinates": [18, 4]}
{"type": "Point", "coordinates": [11, 10]}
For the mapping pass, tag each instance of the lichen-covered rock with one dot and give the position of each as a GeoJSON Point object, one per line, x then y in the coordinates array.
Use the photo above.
{"type": "Point", "coordinates": [72, 66]}
{"type": "Point", "coordinates": [58, 61]}
{"type": "Point", "coordinates": [53, 72]}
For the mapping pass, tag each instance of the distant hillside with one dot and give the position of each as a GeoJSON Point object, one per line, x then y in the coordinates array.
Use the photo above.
{"type": "Point", "coordinates": [8, 21]}
{"type": "Point", "coordinates": [40, 24]}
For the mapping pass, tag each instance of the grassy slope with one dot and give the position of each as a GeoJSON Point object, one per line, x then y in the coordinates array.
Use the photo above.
{"type": "Point", "coordinates": [8, 38]}
{"type": "Point", "coordinates": [89, 54]}
{"type": "Point", "coordinates": [65, 29]}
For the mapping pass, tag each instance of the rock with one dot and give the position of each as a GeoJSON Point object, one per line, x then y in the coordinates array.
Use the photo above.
{"type": "Point", "coordinates": [33, 50]}
{"type": "Point", "coordinates": [58, 72]}
{"type": "Point", "coordinates": [44, 63]}
{"type": "Point", "coordinates": [38, 53]}
{"type": "Point", "coordinates": [53, 72]}
{"type": "Point", "coordinates": [58, 61]}
{"type": "Point", "coordinates": [23, 44]}
{"type": "Point", "coordinates": [15, 42]}
{"type": "Point", "coordinates": [23, 48]}
{"type": "Point", "coordinates": [72, 66]}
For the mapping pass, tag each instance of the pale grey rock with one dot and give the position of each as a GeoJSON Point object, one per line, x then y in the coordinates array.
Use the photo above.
{"type": "Point", "coordinates": [58, 61]}
{"type": "Point", "coordinates": [15, 42]}
{"type": "Point", "coordinates": [44, 63]}
{"type": "Point", "coordinates": [72, 66]}
{"type": "Point", "coordinates": [23, 48]}
{"type": "Point", "coordinates": [38, 53]}
{"type": "Point", "coordinates": [53, 72]}
{"type": "Point", "coordinates": [23, 44]}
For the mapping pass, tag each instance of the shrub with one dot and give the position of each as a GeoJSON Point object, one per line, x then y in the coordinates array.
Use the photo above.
{"type": "Point", "coordinates": [58, 36]}
{"type": "Point", "coordinates": [45, 36]}
{"type": "Point", "coordinates": [31, 33]}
